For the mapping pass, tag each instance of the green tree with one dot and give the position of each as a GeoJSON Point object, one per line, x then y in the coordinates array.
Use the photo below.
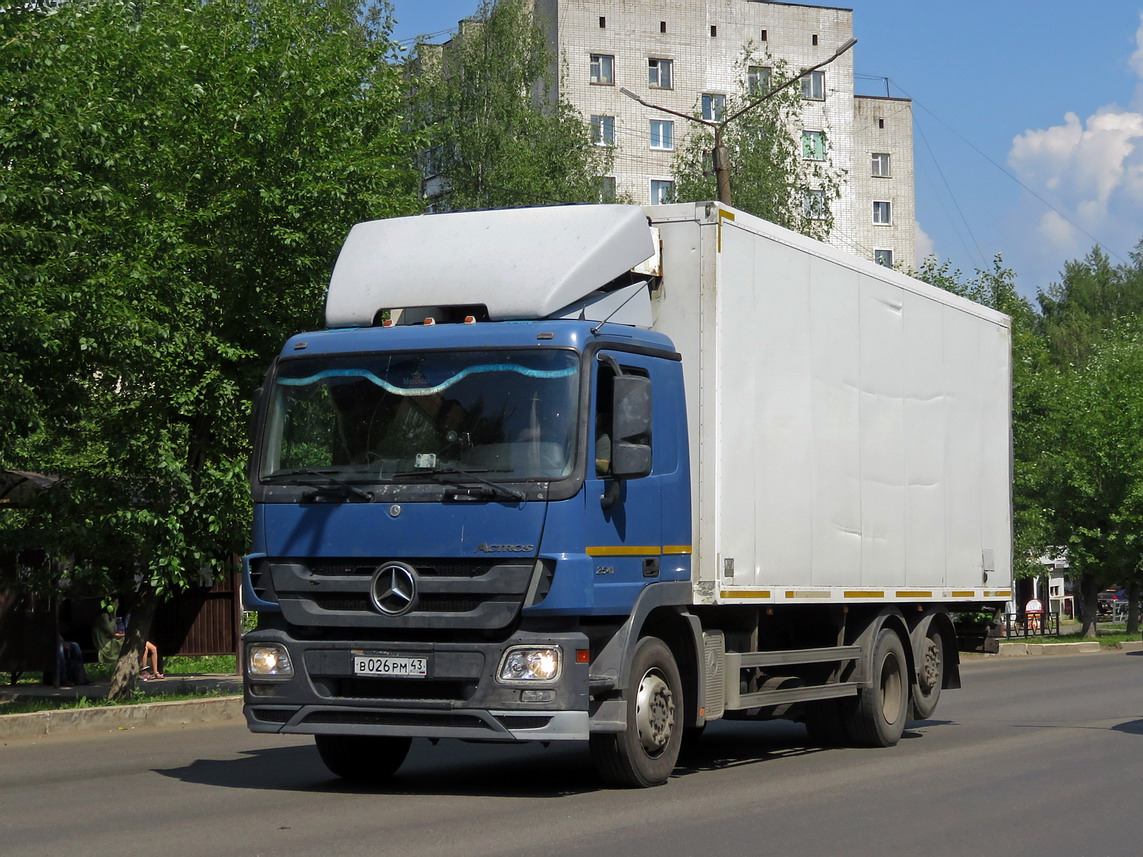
{"type": "Point", "coordinates": [175, 181]}
{"type": "Point", "coordinates": [775, 173]}
{"type": "Point", "coordinates": [1094, 468]}
{"type": "Point", "coordinates": [500, 134]}
{"type": "Point", "coordinates": [1089, 323]}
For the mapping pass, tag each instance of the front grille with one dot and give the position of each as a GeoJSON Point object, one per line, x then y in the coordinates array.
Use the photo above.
{"type": "Point", "coordinates": [425, 567]}
{"type": "Point", "coordinates": [428, 603]}
{"type": "Point", "coordinates": [484, 594]}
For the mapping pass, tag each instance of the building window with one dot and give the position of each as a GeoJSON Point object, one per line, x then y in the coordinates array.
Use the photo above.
{"type": "Point", "coordinates": [880, 123]}
{"type": "Point", "coordinates": [713, 32]}
{"type": "Point", "coordinates": [758, 79]}
{"type": "Point", "coordinates": [713, 107]}
{"type": "Point", "coordinates": [659, 73]}
{"type": "Point", "coordinates": [607, 189]}
{"type": "Point", "coordinates": [662, 26]}
{"type": "Point", "coordinates": [813, 145]}
{"type": "Point", "coordinates": [883, 257]}
{"type": "Point", "coordinates": [662, 192]}
{"type": "Point", "coordinates": [814, 205]}
{"type": "Point", "coordinates": [603, 69]}
{"type": "Point", "coordinates": [602, 22]}
{"type": "Point", "coordinates": [881, 164]}
{"type": "Point", "coordinates": [662, 134]}
{"type": "Point", "coordinates": [882, 213]}
{"type": "Point", "coordinates": [814, 40]}
{"type": "Point", "coordinates": [764, 34]}
{"type": "Point", "coordinates": [603, 130]}
{"type": "Point", "coordinates": [813, 86]}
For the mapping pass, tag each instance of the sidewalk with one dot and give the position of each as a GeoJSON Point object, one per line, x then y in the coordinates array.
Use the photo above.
{"type": "Point", "coordinates": [122, 717]}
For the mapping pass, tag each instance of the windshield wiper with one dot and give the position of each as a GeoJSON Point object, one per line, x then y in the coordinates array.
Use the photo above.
{"type": "Point", "coordinates": [496, 487]}
{"type": "Point", "coordinates": [329, 483]}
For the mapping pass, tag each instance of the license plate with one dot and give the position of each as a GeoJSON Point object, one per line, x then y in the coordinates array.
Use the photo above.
{"type": "Point", "coordinates": [380, 665]}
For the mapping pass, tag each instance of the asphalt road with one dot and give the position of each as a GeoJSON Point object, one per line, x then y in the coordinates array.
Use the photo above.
{"type": "Point", "coordinates": [1035, 756]}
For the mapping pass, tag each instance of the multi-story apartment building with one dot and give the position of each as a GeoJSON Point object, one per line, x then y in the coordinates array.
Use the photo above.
{"type": "Point", "coordinates": [686, 55]}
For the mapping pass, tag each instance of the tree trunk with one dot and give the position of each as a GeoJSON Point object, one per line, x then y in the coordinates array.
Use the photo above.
{"type": "Point", "coordinates": [130, 656]}
{"type": "Point", "coordinates": [1133, 607]}
{"type": "Point", "coordinates": [1089, 593]}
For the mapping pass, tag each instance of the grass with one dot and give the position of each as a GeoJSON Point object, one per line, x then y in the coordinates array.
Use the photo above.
{"type": "Point", "coordinates": [173, 667]}
{"type": "Point", "coordinates": [181, 692]}
{"type": "Point", "coordinates": [1108, 636]}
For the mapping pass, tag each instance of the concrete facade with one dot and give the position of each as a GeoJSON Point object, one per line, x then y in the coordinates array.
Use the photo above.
{"type": "Point", "coordinates": [605, 45]}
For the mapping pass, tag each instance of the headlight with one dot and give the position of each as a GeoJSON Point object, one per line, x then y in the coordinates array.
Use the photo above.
{"type": "Point", "coordinates": [268, 661]}
{"type": "Point", "coordinates": [529, 663]}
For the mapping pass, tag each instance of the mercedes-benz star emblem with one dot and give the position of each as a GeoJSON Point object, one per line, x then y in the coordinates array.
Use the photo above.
{"type": "Point", "coordinates": [394, 589]}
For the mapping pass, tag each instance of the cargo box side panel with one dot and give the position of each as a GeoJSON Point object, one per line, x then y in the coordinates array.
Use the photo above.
{"type": "Point", "coordinates": [881, 429]}
{"type": "Point", "coordinates": [765, 389]}
{"type": "Point", "coordinates": [926, 439]}
{"type": "Point", "coordinates": [836, 403]}
{"type": "Point", "coordinates": [861, 430]}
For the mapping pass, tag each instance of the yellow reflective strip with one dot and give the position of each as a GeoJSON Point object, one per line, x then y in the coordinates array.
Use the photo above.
{"type": "Point", "coordinates": [806, 593]}
{"type": "Point", "coordinates": [914, 593]}
{"type": "Point", "coordinates": [723, 214]}
{"type": "Point", "coordinates": [863, 593]}
{"type": "Point", "coordinates": [624, 550]}
{"type": "Point", "coordinates": [963, 593]}
{"type": "Point", "coordinates": [1004, 593]}
{"type": "Point", "coordinates": [676, 549]}
{"type": "Point", "coordinates": [744, 593]}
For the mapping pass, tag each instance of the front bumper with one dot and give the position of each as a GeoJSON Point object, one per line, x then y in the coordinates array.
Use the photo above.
{"type": "Point", "coordinates": [459, 698]}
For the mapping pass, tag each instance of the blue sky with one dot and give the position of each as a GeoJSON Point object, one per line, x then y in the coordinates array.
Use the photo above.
{"type": "Point", "coordinates": [1028, 120]}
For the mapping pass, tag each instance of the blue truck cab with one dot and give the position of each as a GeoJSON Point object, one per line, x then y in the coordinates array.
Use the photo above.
{"type": "Point", "coordinates": [454, 519]}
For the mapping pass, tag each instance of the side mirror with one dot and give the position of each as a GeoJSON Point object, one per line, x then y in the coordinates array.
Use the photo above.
{"type": "Point", "coordinates": [631, 447]}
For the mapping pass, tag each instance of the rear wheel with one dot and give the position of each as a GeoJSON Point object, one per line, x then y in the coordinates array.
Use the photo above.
{"type": "Point", "coordinates": [362, 758]}
{"type": "Point", "coordinates": [877, 718]}
{"type": "Point", "coordinates": [930, 675]}
{"type": "Point", "coordinates": [645, 754]}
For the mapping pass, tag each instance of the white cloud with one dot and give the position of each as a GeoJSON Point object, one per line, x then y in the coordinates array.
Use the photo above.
{"type": "Point", "coordinates": [1057, 230]}
{"type": "Point", "coordinates": [1090, 169]}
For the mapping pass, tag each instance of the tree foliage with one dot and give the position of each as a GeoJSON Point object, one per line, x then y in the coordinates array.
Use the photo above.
{"type": "Point", "coordinates": [770, 176]}
{"type": "Point", "coordinates": [500, 134]}
{"type": "Point", "coordinates": [175, 181]}
{"type": "Point", "coordinates": [1077, 419]}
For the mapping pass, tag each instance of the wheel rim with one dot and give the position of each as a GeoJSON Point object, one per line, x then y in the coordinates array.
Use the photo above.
{"type": "Point", "coordinates": [892, 689]}
{"type": "Point", "coordinates": [654, 712]}
{"type": "Point", "coordinates": [931, 669]}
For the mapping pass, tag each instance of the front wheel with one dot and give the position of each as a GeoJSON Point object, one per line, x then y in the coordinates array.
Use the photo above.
{"type": "Point", "coordinates": [362, 758]}
{"type": "Point", "coordinates": [645, 753]}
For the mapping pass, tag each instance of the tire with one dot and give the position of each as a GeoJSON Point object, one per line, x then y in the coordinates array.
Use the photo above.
{"type": "Point", "coordinates": [825, 721]}
{"type": "Point", "coordinates": [362, 758]}
{"type": "Point", "coordinates": [646, 753]}
{"type": "Point", "coordinates": [930, 675]}
{"type": "Point", "coordinates": [877, 717]}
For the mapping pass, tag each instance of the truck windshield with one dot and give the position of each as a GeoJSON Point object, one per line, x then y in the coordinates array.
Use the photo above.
{"type": "Point", "coordinates": [507, 415]}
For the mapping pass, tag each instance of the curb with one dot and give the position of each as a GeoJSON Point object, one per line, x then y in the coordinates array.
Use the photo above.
{"type": "Point", "coordinates": [1015, 650]}
{"type": "Point", "coordinates": [69, 721]}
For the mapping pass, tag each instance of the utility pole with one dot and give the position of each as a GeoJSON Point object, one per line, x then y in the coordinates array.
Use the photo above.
{"type": "Point", "coordinates": [720, 157]}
